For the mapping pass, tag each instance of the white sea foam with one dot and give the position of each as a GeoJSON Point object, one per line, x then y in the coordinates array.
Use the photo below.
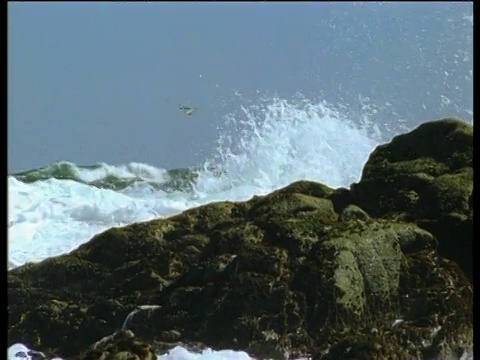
{"type": "Point", "coordinates": [180, 353]}
{"type": "Point", "coordinates": [131, 170]}
{"type": "Point", "coordinates": [269, 147]}
{"type": "Point", "coordinates": [21, 352]}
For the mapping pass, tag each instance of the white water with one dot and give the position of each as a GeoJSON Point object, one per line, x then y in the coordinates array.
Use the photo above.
{"type": "Point", "coordinates": [269, 148]}
{"type": "Point", "coordinates": [21, 352]}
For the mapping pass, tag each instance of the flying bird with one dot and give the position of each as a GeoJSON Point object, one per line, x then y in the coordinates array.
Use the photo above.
{"type": "Point", "coordinates": [188, 110]}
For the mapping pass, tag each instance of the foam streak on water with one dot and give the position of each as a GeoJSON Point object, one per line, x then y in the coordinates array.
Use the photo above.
{"type": "Point", "coordinates": [21, 352]}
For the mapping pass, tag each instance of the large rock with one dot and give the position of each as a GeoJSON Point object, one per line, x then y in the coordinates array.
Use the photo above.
{"type": "Point", "coordinates": [304, 270]}
{"type": "Point", "coordinates": [425, 176]}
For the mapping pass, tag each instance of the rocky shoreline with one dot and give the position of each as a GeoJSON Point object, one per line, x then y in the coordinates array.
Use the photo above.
{"type": "Point", "coordinates": [382, 270]}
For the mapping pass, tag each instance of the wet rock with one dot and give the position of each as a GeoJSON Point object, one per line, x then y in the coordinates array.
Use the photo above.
{"type": "Point", "coordinates": [426, 177]}
{"type": "Point", "coordinates": [123, 345]}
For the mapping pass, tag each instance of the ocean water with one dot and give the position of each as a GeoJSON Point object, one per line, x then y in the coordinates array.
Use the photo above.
{"type": "Point", "coordinates": [266, 143]}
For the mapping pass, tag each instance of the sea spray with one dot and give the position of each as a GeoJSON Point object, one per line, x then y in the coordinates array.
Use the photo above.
{"type": "Point", "coordinates": [262, 147]}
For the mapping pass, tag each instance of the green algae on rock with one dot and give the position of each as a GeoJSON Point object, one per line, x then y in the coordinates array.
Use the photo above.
{"type": "Point", "coordinates": [398, 174]}
{"type": "Point", "coordinates": [425, 176]}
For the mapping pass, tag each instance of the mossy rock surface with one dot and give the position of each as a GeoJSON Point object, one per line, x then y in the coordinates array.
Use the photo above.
{"type": "Point", "coordinates": [304, 270]}
{"type": "Point", "coordinates": [425, 176]}
{"type": "Point", "coordinates": [123, 345]}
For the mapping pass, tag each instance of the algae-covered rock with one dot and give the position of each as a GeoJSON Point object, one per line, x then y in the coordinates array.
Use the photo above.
{"type": "Point", "coordinates": [434, 160]}
{"type": "Point", "coordinates": [363, 274]}
{"type": "Point", "coordinates": [424, 176]}
{"type": "Point", "coordinates": [123, 345]}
